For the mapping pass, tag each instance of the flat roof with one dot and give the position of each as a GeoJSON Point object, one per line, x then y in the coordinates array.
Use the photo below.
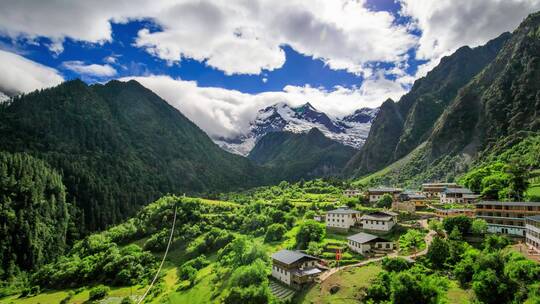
{"type": "Point", "coordinates": [535, 218]}
{"type": "Point", "coordinates": [497, 203]}
{"type": "Point", "coordinates": [384, 189]}
{"type": "Point", "coordinates": [290, 256]}
{"type": "Point", "coordinates": [344, 211]}
{"type": "Point", "coordinates": [363, 238]}
{"type": "Point", "coordinates": [458, 190]}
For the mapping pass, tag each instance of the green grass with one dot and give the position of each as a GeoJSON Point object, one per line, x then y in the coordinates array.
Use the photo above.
{"type": "Point", "coordinates": [534, 190]}
{"type": "Point", "coordinates": [200, 293]}
{"type": "Point", "coordinates": [457, 295]}
{"type": "Point", "coordinates": [350, 282]}
{"type": "Point", "coordinates": [115, 296]}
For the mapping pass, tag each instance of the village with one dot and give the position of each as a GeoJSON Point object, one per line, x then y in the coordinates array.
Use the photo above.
{"type": "Point", "coordinates": [366, 231]}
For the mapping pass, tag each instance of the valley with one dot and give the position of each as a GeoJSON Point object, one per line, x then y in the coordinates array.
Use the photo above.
{"type": "Point", "coordinates": [110, 194]}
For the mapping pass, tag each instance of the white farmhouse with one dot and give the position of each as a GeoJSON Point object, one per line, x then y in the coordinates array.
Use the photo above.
{"type": "Point", "coordinates": [375, 194]}
{"type": "Point", "coordinates": [294, 268]}
{"type": "Point", "coordinates": [455, 195]}
{"type": "Point", "coordinates": [365, 243]}
{"type": "Point", "coordinates": [342, 218]}
{"type": "Point", "coordinates": [379, 221]}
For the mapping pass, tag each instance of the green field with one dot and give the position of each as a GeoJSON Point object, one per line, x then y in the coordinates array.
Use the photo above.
{"type": "Point", "coordinates": [351, 282]}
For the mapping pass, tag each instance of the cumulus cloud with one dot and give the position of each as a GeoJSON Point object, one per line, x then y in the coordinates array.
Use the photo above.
{"type": "Point", "coordinates": [449, 24]}
{"type": "Point", "coordinates": [237, 37]}
{"type": "Point", "coordinates": [21, 75]}
{"type": "Point", "coordinates": [226, 113]}
{"type": "Point", "coordinates": [96, 70]}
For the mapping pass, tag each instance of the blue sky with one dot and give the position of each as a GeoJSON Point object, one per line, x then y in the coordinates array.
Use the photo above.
{"type": "Point", "coordinates": [220, 61]}
{"type": "Point", "coordinates": [298, 69]}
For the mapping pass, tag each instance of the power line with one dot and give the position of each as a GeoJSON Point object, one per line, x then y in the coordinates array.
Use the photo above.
{"type": "Point", "coordinates": [162, 261]}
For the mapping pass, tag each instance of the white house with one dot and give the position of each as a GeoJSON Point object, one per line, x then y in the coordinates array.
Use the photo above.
{"type": "Point", "coordinates": [375, 194]}
{"type": "Point", "coordinates": [380, 220]}
{"type": "Point", "coordinates": [455, 195]}
{"type": "Point", "coordinates": [365, 243]}
{"type": "Point", "coordinates": [352, 192]}
{"type": "Point", "coordinates": [532, 232]}
{"type": "Point", "coordinates": [342, 218]}
{"type": "Point", "coordinates": [294, 268]}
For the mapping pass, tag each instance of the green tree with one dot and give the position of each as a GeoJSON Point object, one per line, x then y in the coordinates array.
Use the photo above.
{"type": "Point", "coordinates": [489, 288]}
{"type": "Point", "coordinates": [395, 264]}
{"type": "Point", "coordinates": [385, 201]}
{"type": "Point", "coordinates": [479, 226]}
{"type": "Point", "coordinates": [438, 252]}
{"type": "Point", "coordinates": [98, 293]}
{"type": "Point", "coordinates": [463, 223]}
{"type": "Point", "coordinates": [309, 231]}
{"type": "Point", "coordinates": [314, 249]}
{"type": "Point", "coordinates": [275, 232]}
{"type": "Point", "coordinates": [412, 240]}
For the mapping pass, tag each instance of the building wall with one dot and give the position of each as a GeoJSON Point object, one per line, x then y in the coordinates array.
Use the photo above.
{"type": "Point", "coordinates": [342, 221]}
{"type": "Point", "coordinates": [281, 274]}
{"type": "Point", "coordinates": [377, 225]}
{"type": "Point", "coordinates": [510, 230]}
{"type": "Point", "coordinates": [365, 248]}
{"type": "Point", "coordinates": [532, 236]}
{"type": "Point", "coordinates": [376, 196]}
{"type": "Point", "coordinates": [408, 206]}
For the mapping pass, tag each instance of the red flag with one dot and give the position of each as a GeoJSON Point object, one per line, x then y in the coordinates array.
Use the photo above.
{"type": "Point", "coordinates": [338, 254]}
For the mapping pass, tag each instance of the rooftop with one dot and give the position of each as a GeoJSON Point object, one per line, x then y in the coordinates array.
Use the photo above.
{"type": "Point", "coordinates": [438, 184]}
{"type": "Point", "coordinates": [363, 238]}
{"type": "Point", "coordinates": [497, 203]}
{"type": "Point", "coordinates": [289, 256]}
{"type": "Point", "coordinates": [458, 190]}
{"type": "Point", "coordinates": [344, 210]}
{"type": "Point", "coordinates": [379, 215]}
{"type": "Point", "coordinates": [535, 218]}
{"type": "Point", "coordinates": [385, 189]}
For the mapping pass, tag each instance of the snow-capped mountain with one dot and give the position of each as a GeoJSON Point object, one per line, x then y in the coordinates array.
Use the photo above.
{"type": "Point", "coordinates": [351, 130]}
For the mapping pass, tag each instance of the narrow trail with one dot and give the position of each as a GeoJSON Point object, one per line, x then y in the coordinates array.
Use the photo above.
{"type": "Point", "coordinates": [428, 239]}
{"type": "Point", "coordinates": [162, 261]}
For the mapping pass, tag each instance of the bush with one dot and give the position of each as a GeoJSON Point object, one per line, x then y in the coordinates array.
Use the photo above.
{"type": "Point", "coordinates": [462, 223]}
{"type": "Point", "coordinates": [385, 201]}
{"type": "Point", "coordinates": [395, 264]}
{"type": "Point", "coordinates": [275, 232]}
{"type": "Point", "coordinates": [127, 300]}
{"type": "Point", "coordinates": [310, 231]}
{"type": "Point", "coordinates": [98, 292]}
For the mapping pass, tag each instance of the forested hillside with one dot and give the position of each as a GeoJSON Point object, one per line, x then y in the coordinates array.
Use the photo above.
{"type": "Point", "coordinates": [118, 146]}
{"type": "Point", "coordinates": [401, 126]}
{"type": "Point", "coordinates": [498, 107]}
{"type": "Point", "coordinates": [33, 213]}
{"type": "Point", "coordinates": [301, 155]}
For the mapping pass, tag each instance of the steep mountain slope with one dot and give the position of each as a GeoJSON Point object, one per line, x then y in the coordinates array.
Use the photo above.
{"type": "Point", "coordinates": [118, 146]}
{"type": "Point", "coordinates": [33, 213]}
{"type": "Point", "coordinates": [301, 155]}
{"type": "Point", "coordinates": [351, 130]}
{"type": "Point", "coordinates": [498, 107]}
{"type": "Point", "coordinates": [403, 126]}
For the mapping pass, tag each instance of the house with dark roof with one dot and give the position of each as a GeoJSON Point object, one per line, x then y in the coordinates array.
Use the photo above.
{"type": "Point", "coordinates": [379, 220]}
{"type": "Point", "coordinates": [365, 243]}
{"type": "Point", "coordinates": [342, 218]}
{"type": "Point", "coordinates": [295, 268]}
{"type": "Point", "coordinates": [375, 194]}
{"type": "Point", "coordinates": [455, 195]}
{"type": "Point", "coordinates": [434, 190]}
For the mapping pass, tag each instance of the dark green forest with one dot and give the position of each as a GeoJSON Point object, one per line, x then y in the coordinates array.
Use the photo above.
{"type": "Point", "coordinates": [34, 214]}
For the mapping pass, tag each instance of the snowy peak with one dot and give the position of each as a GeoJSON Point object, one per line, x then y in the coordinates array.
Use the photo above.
{"type": "Point", "coordinates": [351, 130]}
{"type": "Point", "coordinates": [363, 115]}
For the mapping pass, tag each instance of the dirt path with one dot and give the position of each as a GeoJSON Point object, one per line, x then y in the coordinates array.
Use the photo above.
{"type": "Point", "coordinates": [428, 239]}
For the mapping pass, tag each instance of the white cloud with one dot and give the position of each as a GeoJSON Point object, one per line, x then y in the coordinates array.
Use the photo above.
{"type": "Point", "coordinates": [447, 25]}
{"type": "Point", "coordinates": [96, 70]}
{"type": "Point", "coordinates": [21, 75]}
{"type": "Point", "coordinates": [237, 36]}
{"type": "Point", "coordinates": [226, 113]}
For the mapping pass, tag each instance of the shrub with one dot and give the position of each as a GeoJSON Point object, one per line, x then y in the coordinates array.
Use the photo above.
{"type": "Point", "coordinates": [98, 292]}
{"type": "Point", "coordinates": [275, 232]}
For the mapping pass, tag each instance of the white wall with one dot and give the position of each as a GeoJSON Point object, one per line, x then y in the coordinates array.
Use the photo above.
{"type": "Point", "coordinates": [363, 248]}
{"type": "Point", "coordinates": [377, 225]}
{"type": "Point", "coordinates": [281, 274]}
{"type": "Point", "coordinates": [336, 220]}
{"type": "Point", "coordinates": [509, 230]}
